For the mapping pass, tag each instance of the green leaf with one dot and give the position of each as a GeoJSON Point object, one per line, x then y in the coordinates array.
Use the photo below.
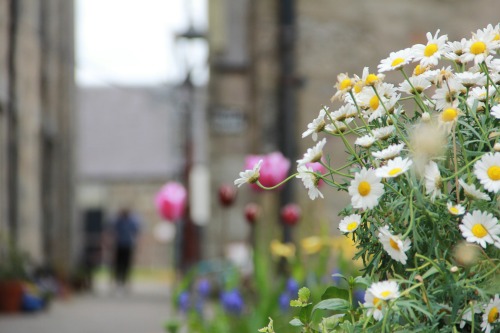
{"type": "Point", "coordinates": [336, 304]}
{"type": "Point", "coordinates": [362, 280]}
{"type": "Point", "coordinates": [335, 292]}
{"type": "Point", "coordinates": [304, 294]}
{"type": "Point", "coordinates": [296, 303]}
{"type": "Point", "coordinates": [296, 322]}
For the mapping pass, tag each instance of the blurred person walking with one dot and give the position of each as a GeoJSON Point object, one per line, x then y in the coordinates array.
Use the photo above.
{"type": "Point", "coordinates": [124, 230]}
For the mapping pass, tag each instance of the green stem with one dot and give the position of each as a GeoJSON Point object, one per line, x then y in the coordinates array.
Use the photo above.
{"type": "Point", "coordinates": [277, 185]}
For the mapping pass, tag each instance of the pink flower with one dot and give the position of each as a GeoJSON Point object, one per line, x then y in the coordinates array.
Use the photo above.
{"type": "Point", "coordinates": [171, 201]}
{"type": "Point", "coordinates": [318, 168]}
{"type": "Point", "coordinates": [274, 168]}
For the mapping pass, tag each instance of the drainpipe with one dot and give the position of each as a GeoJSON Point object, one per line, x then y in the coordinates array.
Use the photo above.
{"type": "Point", "coordinates": [287, 115]}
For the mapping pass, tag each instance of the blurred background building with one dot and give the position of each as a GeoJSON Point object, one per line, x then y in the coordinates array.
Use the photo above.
{"type": "Point", "coordinates": [37, 211]}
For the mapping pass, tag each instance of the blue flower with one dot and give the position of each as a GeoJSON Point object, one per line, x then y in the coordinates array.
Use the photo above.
{"type": "Point", "coordinates": [232, 301]}
{"type": "Point", "coordinates": [359, 296]}
{"type": "Point", "coordinates": [284, 301]}
{"type": "Point", "coordinates": [292, 286]}
{"type": "Point", "coordinates": [183, 301]}
{"type": "Point", "coordinates": [204, 287]}
{"type": "Point", "coordinates": [336, 279]}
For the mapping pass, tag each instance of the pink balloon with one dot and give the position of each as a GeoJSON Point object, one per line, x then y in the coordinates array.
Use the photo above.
{"type": "Point", "coordinates": [171, 201]}
{"type": "Point", "coordinates": [274, 168]}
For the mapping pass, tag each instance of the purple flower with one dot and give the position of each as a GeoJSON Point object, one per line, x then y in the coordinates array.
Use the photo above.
{"type": "Point", "coordinates": [284, 301]}
{"type": "Point", "coordinates": [204, 287]}
{"type": "Point", "coordinates": [232, 301]}
{"type": "Point", "coordinates": [292, 286]}
{"type": "Point", "coordinates": [336, 279]}
{"type": "Point", "coordinates": [359, 296]}
{"type": "Point", "coordinates": [183, 301]}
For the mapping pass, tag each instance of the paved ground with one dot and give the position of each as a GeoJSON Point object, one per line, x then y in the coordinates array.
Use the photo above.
{"type": "Point", "coordinates": [143, 310]}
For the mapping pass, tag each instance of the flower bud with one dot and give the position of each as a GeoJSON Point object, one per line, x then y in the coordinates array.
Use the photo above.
{"type": "Point", "coordinates": [496, 147]}
{"type": "Point", "coordinates": [454, 269]}
{"type": "Point", "coordinates": [252, 212]}
{"type": "Point", "coordinates": [227, 195]}
{"type": "Point", "coordinates": [290, 214]}
{"type": "Point", "coordinates": [426, 116]}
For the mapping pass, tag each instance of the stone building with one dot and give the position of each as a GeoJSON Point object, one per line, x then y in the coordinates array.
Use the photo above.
{"type": "Point", "coordinates": [273, 66]}
{"type": "Point", "coordinates": [36, 129]}
{"type": "Point", "coordinates": [131, 140]}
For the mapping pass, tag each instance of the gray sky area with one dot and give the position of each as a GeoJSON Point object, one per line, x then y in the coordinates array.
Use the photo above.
{"type": "Point", "coordinates": [132, 42]}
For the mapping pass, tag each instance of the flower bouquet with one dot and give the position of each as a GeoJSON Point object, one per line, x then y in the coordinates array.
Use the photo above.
{"type": "Point", "coordinates": [423, 176]}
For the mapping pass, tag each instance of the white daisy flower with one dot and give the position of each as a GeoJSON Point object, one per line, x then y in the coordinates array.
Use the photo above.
{"type": "Point", "coordinates": [487, 171]}
{"type": "Point", "coordinates": [249, 176]}
{"type": "Point", "coordinates": [394, 168]}
{"type": "Point", "coordinates": [376, 306]}
{"type": "Point", "coordinates": [310, 180]}
{"type": "Point", "coordinates": [313, 154]}
{"type": "Point", "coordinates": [480, 227]}
{"type": "Point", "coordinates": [433, 182]}
{"type": "Point", "coordinates": [338, 126]}
{"type": "Point", "coordinates": [344, 84]}
{"type": "Point", "coordinates": [384, 290]}
{"type": "Point", "coordinates": [365, 189]}
{"type": "Point", "coordinates": [480, 93]}
{"type": "Point", "coordinates": [316, 126]}
{"type": "Point", "coordinates": [447, 95]}
{"type": "Point", "coordinates": [345, 111]}
{"type": "Point", "coordinates": [448, 118]}
{"type": "Point", "coordinates": [383, 133]}
{"type": "Point", "coordinates": [491, 315]}
{"type": "Point", "coordinates": [468, 313]}
{"type": "Point", "coordinates": [365, 141]}
{"type": "Point", "coordinates": [394, 245]}
{"type": "Point", "coordinates": [478, 48]}
{"type": "Point", "coordinates": [414, 85]}
{"type": "Point", "coordinates": [473, 192]}
{"type": "Point", "coordinates": [429, 54]}
{"type": "Point", "coordinates": [370, 79]}
{"type": "Point", "coordinates": [390, 152]}
{"type": "Point", "coordinates": [350, 223]}
{"type": "Point", "coordinates": [455, 209]}
{"type": "Point", "coordinates": [395, 60]}
{"type": "Point", "coordinates": [495, 111]}
{"type": "Point", "coordinates": [468, 79]}
{"type": "Point", "coordinates": [455, 50]}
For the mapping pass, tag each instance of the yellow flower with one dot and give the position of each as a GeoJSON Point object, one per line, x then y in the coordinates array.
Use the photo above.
{"type": "Point", "coordinates": [311, 245]}
{"type": "Point", "coordinates": [280, 249]}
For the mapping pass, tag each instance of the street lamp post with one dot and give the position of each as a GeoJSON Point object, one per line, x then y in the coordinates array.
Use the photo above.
{"type": "Point", "coordinates": [190, 235]}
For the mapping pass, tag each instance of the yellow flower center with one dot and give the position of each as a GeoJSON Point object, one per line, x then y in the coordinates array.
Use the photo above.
{"type": "Point", "coordinates": [386, 293]}
{"type": "Point", "coordinates": [364, 188]}
{"type": "Point", "coordinates": [494, 172]}
{"type": "Point", "coordinates": [477, 47]}
{"type": "Point", "coordinates": [493, 314]}
{"type": "Point", "coordinates": [371, 79]}
{"type": "Point", "coordinates": [351, 226]}
{"type": "Point", "coordinates": [454, 210]}
{"type": "Point", "coordinates": [397, 61]}
{"type": "Point", "coordinates": [449, 114]}
{"type": "Point", "coordinates": [358, 87]}
{"type": "Point", "coordinates": [497, 37]}
{"type": "Point", "coordinates": [395, 171]}
{"type": "Point", "coordinates": [479, 230]}
{"type": "Point", "coordinates": [374, 102]}
{"type": "Point", "coordinates": [394, 245]}
{"type": "Point", "coordinates": [377, 302]}
{"type": "Point", "coordinates": [345, 84]}
{"type": "Point", "coordinates": [419, 70]}
{"type": "Point", "coordinates": [430, 49]}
